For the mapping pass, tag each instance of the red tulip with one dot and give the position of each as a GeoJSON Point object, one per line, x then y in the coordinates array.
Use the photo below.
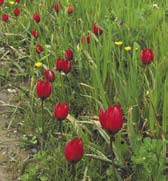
{"type": "Point", "coordinates": [82, 39]}
{"type": "Point", "coordinates": [63, 65]}
{"type": "Point", "coordinates": [97, 30]}
{"type": "Point", "coordinates": [43, 89]}
{"type": "Point", "coordinates": [58, 64]}
{"type": "Point", "coordinates": [147, 55]}
{"type": "Point", "coordinates": [1, 2]}
{"type": "Point", "coordinates": [69, 54]}
{"type": "Point", "coordinates": [39, 48]}
{"type": "Point", "coordinates": [5, 17]}
{"type": "Point", "coordinates": [88, 39]}
{"type": "Point", "coordinates": [36, 17]}
{"type": "Point", "coordinates": [66, 66]}
{"type": "Point", "coordinates": [56, 7]}
{"type": "Point", "coordinates": [61, 110]}
{"type": "Point", "coordinates": [70, 9]}
{"type": "Point", "coordinates": [74, 150]}
{"type": "Point", "coordinates": [111, 120]}
{"type": "Point", "coordinates": [17, 1]}
{"type": "Point", "coordinates": [49, 75]}
{"type": "Point", "coordinates": [16, 11]}
{"type": "Point", "coordinates": [34, 33]}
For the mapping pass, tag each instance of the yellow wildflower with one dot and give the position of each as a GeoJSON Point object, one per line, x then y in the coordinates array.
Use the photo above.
{"type": "Point", "coordinates": [11, 2]}
{"type": "Point", "coordinates": [38, 64]}
{"type": "Point", "coordinates": [128, 48]}
{"type": "Point", "coordinates": [147, 92]}
{"type": "Point", "coordinates": [118, 43]}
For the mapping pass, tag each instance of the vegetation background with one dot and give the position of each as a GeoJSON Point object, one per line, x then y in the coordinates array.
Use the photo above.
{"type": "Point", "coordinates": [102, 73]}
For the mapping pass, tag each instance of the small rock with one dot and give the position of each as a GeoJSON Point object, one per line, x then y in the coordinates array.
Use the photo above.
{"type": "Point", "coordinates": [33, 151]}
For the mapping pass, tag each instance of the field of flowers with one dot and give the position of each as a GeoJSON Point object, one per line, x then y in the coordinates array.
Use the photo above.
{"type": "Point", "coordinates": [92, 81]}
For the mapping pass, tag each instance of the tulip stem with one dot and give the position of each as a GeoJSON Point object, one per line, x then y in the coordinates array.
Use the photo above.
{"type": "Point", "coordinates": [42, 124]}
{"type": "Point", "coordinates": [61, 128]}
{"type": "Point", "coordinates": [112, 139]}
{"type": "Point", "coordinates": [73, 170]}
{"type": "Point", "coordinates": [62, 85]}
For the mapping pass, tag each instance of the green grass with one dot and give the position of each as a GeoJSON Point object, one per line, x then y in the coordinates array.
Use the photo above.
{"type": "Point", "coordinates": [102, 74]}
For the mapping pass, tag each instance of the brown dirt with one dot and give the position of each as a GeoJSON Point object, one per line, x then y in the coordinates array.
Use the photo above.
{"type": "Point", "coordinates": [11, 154]}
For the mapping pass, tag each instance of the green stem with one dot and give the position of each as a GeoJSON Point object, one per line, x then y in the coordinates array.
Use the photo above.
{"type": "Point", "coordinates": [62, 85]}
{"type": "Point", "coordinates": [112, 156]}
{"type": "Point", "coordinates": [61, 127]}
{"type": "Point", "coordinates": [69, 88]}
{"type": "Point", "coordinates": [42, 124]}
{"type": "Point", "coordinates": [73, 170]}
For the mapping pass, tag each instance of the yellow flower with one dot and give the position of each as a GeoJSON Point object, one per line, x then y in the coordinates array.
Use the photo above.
{"type": "Point", "coordinates": [118, 43]}
{"type": "Point", "coordinates": [38, 64]}
{"type": "Point", "coordinates": [128, 48]}
{"type": "Point", "coordinates": [11, 2]}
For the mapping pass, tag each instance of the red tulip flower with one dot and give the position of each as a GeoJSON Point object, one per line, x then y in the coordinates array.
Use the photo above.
{"type": "Point", "coordinates": [56, 7]}
{"type": "Point", "coordinates": [74, 150]}
{"type": "Point", "coordinates": [82, 39]}
{"type": "Point", "coordinates": [34, 33]}
{"type": "Point", "coordinates": [17, 1]}
{"type": "Point", "coordinates": [111, 120]}
{"type": "Point", "coordinates": [63, 65]}
{"type": "Point", "coordinates": [88, 39]}
{"type": "Point", "coordinates": [1, 2]}
{"type": "Point", "coordinates": [39, 48]}
{"type": "Point", "coordinates": [16, 11]}
{"type": "Point", "coordinates": [147, 55]}
{"type": "Point", "coordinates": [58, 64]}
{"type": "Point", "coordinates": [5, 17]}
{"type": "Point", "coordinates": [36, 17]}
{"type": "Point", "coordinates": [68, 54]}
{"type": "Point", "coordinates": [43, 89]}
{"type": "Point", "coordinates": [66, 66]}
{"type": "Point", "coordinates": [97, 30]}
{"type": "Point", "coordinates": [61, 110]}
{"type": "Point", "coordinates": [70, 9]}
{"type": "Point", "coordinates": [49, 75]}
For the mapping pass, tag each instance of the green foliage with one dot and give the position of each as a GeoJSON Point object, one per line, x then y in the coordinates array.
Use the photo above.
{"type": "Point", "coordinates": [148, 160]}
{"type": "Point", "coordinates": [102, 74]}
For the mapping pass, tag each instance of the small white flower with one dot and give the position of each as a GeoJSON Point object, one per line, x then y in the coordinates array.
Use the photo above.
{"type": "Point", "coordinates": [155, 6]}
{"type": "Point", "coordinates": [78, 47]}
{"type": "Point", "coordinates": [11, 90]}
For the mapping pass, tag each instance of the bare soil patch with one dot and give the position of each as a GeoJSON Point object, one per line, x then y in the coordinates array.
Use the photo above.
{"type": "Point", "coordinates": [12, 155]}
